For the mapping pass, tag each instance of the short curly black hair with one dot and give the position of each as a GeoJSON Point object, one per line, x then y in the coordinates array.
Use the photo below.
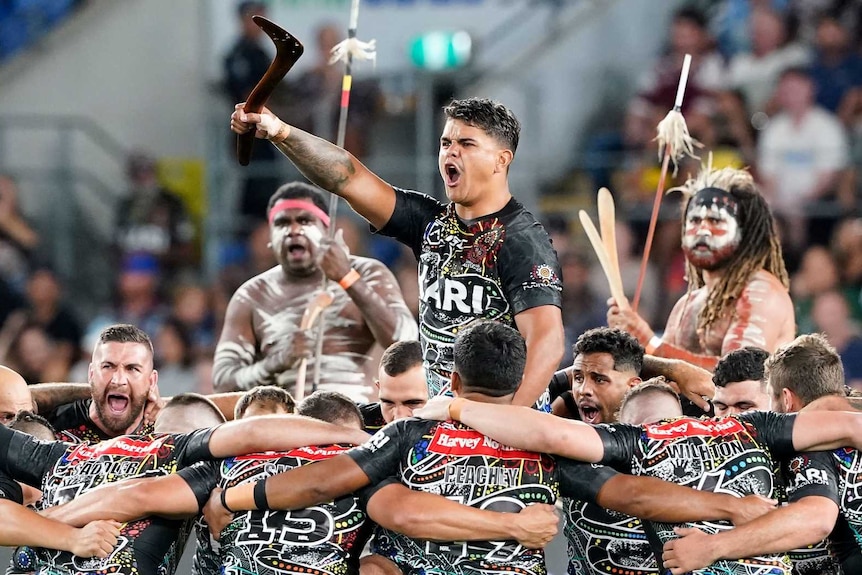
{"type": "Point", "coordinates": [627, 352]}
{"type": "Point", "coordinates": [745, 364]}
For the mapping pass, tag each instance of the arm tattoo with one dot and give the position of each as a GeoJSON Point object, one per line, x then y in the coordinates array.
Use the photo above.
{"type": "Point", "coordinates": [322, 162]}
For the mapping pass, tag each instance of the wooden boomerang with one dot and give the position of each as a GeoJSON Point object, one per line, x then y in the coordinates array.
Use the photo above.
{"type": "Point", "coordinates": [287, 51]}
{"type": "Point", "coordinates": [314, 309]}
{"type": "Point", "coordinates": [599, 248]}
{"type": "Point", "coordinates": [607, 224]}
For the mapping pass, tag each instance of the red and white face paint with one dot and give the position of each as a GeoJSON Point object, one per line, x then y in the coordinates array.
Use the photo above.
{"type": "Point", "coordinates": [296, 228]}
{"type": "Point", "coordinates": [711, 235]}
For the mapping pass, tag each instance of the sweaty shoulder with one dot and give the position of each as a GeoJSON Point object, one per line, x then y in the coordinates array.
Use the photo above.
{"type": "Point", "coordinates": [766, 283]}
{"type": "Point", "coordinates": [766, 309]}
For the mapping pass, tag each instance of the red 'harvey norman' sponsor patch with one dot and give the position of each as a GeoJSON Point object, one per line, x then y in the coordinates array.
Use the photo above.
{"type": "Point", "coordinates": [694, 427]}
{"type": "Point", "coordinates": [465, 442]}
{"type": "Point", "coordinates": [120, 447]}
{"type": "Point", "coordinates": [314, 453]}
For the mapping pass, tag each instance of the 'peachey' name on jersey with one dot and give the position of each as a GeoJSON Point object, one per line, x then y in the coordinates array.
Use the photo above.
{"type": "Point", "coordinates": [449, 440]}
{"type": "Point", "coordinates": [481, 475]}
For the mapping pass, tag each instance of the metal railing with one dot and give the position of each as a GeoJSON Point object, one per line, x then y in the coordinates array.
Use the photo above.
{"type": "Point", "coordinates": [71, 194]}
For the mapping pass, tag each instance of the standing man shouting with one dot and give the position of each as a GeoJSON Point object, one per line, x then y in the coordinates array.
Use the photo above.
{"type": "Point", "coordinates": [262, 343]}
{"type": "Point", "coordinates": [480, 256]}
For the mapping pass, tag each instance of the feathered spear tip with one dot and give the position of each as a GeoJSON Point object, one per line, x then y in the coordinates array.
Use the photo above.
{"type": "Point", "coordinates": [355, 49]}
{"type": "Point", "coordinates": [672, 132]}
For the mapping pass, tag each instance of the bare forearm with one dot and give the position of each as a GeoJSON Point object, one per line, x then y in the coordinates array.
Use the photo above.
{"type": "Point", "coordinates": [827, 430]}
{"type": "Point", "coordinates": [654, 499]}
{"type": "Point", "coordinates": [322, 162]}
{"type": "Point", "coordinates": [671, 351]}
{"type": "Point", "coordinates": [525, 428]}
{"type": "Point", "coordinates": [234, 370]}
{"type": "Point", "coordinates": [124, 501]}
{"type": "Point", "coordinates": [22, 526]}
{"type": "Point", "coordinates": [470, 525]}
{"type": "Point", "coordinates": [79, 512]}
{"type": "Point", "coordinates": [793, 526]}
{"type": "Point", "coordinates": [48, 396]}
{"type": "Point", "coordinates": [303, 486]}
{"type": "Point", "coordinates": [669, 368]}
{"type": "Point", "coordinates": [544, 353]}
{"type": "Point", "coordinates": [83, 510]}
{"type": "Point", "coordinates": [425, 516]}
{"type": "Point", "coordinates": [381, 318]}
{"type": "Point", "coordinates": [278, 433]}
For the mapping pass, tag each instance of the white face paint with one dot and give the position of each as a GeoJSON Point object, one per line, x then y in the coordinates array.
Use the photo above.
{"type": "Point", "coordinates": [313, 233]}
{"type": "Point", "coordinates": [295, 234]}
{"type": "Point", "coordinates": [711, 235]}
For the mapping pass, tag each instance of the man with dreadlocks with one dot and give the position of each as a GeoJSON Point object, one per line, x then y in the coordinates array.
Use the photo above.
{"type": "Point", "coordinates": [737, 283]}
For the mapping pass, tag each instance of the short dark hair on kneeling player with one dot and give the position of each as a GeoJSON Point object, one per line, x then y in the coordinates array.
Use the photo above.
{"type": "Point", "coordinates": [744, 364]}
{"type": "Point", "coordinates": [191, 399]}
{"type": "Point", "coordinates": [330, 406]}
{"type": "Point", "coordinates": [489, 358]}
{"type": "Point", "coordinates": [270, 395]}
{"type": "Point", "coordinates": [298, 191]}
{"type": "Point", "coordinates": [649, 388]}
{"type": "Point", "coordinates": [400, 357]}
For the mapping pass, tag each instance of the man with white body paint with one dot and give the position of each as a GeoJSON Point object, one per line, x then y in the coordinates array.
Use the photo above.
{"type": "Point", "coordinates": [261, 342]}
{"type": "Point", "coordinates": [737, 283]}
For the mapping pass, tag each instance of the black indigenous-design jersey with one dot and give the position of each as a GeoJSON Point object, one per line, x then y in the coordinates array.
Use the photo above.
{"type": "Point", "coordinates": [494, 267]}
{"type": "Point", "coordinates": [602, 541]}
{"type": "Point", "coordinates": [74, 425]}
{"type": "Point", "coordinates": [457, 462]}
{"type": "Point", "coordinates": [729, 455]}
{"type": "Point", "coordinates": [10, 490]}
{"type": "Point", "coordinates": [838, 476]}
{"type": "Point", "coordinates": [63, 471]}
{"type": "Point", "coordinates": [202, 478]}
{"type": "Point", "coordinates": [812, 474]}
{"type": "Point", "coordinates": [326, 539]}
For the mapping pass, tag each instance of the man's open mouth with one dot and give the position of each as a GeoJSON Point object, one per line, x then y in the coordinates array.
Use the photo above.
{"type": "Point", "coordinates": [296, 250]}
{"type": "Point", "coordinates": [453, 174]}
{"type": "Point", "coordinates": [590, 414]}
{"type": "Point", "coordinates": [118, 403]}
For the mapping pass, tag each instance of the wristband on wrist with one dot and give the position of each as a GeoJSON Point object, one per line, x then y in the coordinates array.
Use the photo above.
{"type": "Point", "coordinates": [455, 407]}
{"type": "Point", "coordinates": [260, 495]}
{"type": "Point", "coordinates": [282, 134]}
{"type": "Point", "coordinates": [224, 501]}
{"type": "Point", "coordinates": [653, 344]}
{"type": "Point", "coordinates": [349, 279]}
